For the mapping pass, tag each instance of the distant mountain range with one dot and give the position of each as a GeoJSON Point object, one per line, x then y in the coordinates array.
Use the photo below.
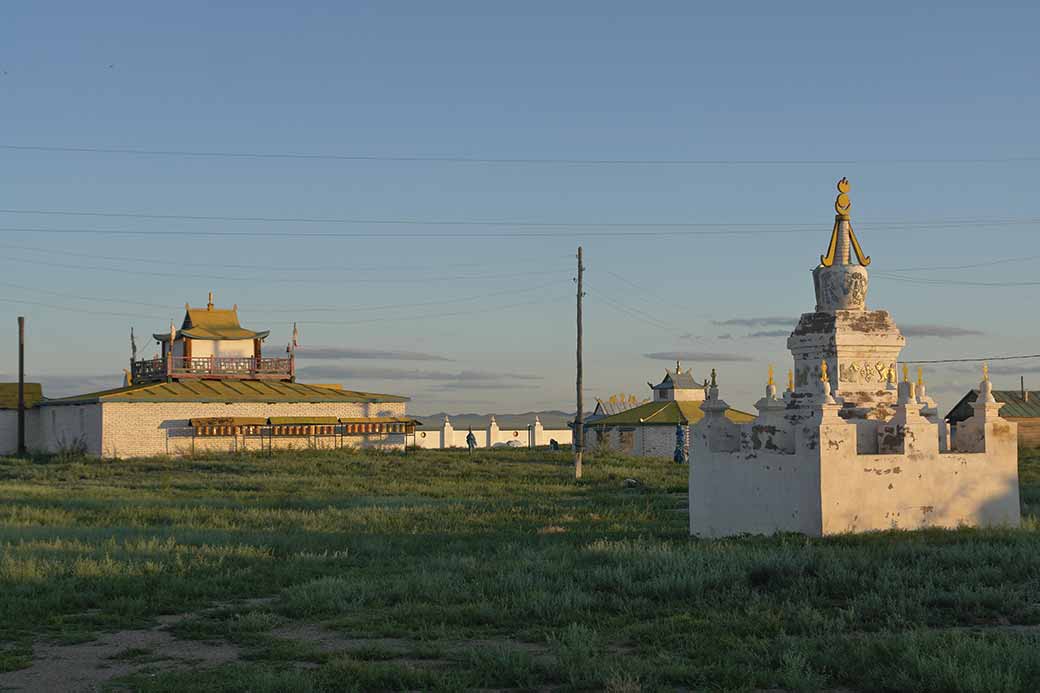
{"type": "Point", "coordinates": [549, 419]}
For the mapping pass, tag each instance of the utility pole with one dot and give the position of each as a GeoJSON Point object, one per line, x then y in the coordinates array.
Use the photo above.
{"type": "Point", "coordinates": [579, 419]}
{"type": "Point", "coordinates": [21, 385]}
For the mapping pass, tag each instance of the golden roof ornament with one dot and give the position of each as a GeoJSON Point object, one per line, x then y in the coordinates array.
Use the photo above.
{"type": "Point", "coordinates": [906, 373]}
{"type": "Point", "coordinates": [842, 205]}
{"type": "Point", "coordinates": [770, 375]}
{"type": "Point", "coordinates": [713, 378]}
{"type": "Point", "coordinates": [985, 371]}
{"type": "Point", "coordinates": [823, 372]}
{"type": "Point", "coordinates": [790, 379]}
{"type": "Point", "coordinates": [920, 377]}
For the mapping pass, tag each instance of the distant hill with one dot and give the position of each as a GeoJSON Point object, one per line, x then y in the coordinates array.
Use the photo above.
{"type": "Point", "coordinates": [549, 419]}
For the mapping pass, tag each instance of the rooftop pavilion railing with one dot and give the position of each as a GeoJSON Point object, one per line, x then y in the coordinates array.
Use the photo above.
{"type": "Point", "coordinates": [226, 367]}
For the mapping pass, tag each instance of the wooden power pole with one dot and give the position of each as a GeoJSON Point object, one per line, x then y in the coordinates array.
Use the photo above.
{"type": "Point", "coordinates": [21, 385]}
{"type": "Point", "coordinates": [579, 419]}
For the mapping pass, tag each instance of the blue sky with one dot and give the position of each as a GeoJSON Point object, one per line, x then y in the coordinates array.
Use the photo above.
{"type": "Point", "coordinates": [485, 322]}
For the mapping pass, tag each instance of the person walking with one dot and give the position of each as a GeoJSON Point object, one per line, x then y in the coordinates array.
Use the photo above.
{"type": "Point", "coordinates": [471, 440]}
{"type": "Point", "coordinates": [680, 445]}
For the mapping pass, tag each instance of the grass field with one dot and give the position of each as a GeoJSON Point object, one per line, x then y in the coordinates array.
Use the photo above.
{"type": "Point", "coordinates": [437, 571]}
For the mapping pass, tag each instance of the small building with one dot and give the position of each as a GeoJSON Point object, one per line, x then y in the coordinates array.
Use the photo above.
{"type": "Point", "coordinates": [648, 429]}
{"type": "Point", "coordinates": [1021, 406]}
{"type": "Point", "coordinates": [212, 389]}
{"type": "Point", "coordinates": [33, 393]}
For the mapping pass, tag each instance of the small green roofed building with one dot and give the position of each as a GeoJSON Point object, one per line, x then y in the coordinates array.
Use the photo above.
{"type": "Point", "coordinates": [1021, 406]}
{"type": "Point", "coordinates": [648, 429]}
{"type": "Point", "coordinates": [212, 388]}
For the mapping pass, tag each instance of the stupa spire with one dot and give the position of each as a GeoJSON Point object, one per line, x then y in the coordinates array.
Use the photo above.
{"type": "Point", "coordinates": [842, 235]}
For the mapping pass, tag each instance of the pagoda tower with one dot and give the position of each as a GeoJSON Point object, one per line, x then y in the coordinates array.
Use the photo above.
{"type": "Point", "coordinates": [860, 346]}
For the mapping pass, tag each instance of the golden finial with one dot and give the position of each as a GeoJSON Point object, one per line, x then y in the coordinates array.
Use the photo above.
{"type": "Point", "coordinates": [842, 205]}
{"type": "Point", "coordinates": [790, 379]}
{"type": "Point", "coordinates": [823, 371]}
{"type": "Point", "coordinates": [209, 306]}
{"type": "Point", "coordinates": [713, 378]}
{"type": "Point", "coordinates": [770, 374]}
{"type": "Point", "coordinates": [985, 371]}
{"type": "Point", "coordinates": [906, 373]}
{"type": "Point", "coordinates": [678, 369]}
{"type": "Point", "coordinates": [920, 376]}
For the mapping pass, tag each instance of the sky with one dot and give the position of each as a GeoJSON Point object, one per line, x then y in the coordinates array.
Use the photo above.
{"type": "Point", "coordinates": [426, 172]}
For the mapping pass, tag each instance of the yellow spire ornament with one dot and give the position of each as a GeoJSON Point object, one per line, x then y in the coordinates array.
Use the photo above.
{"type": "Point", "coordinates": [770, 375]}
{"type": "Point", "coordinates": [790, 379]}
{"type": "Point", "coordinates": [920, 377]}
{"type": "Point", "coordinates": [985, 371]}
{"type": "Point", "coordinates": [823, 372]}
{"type": "Point", "coordinates": [842, 205]}
{"type": "Point", "coordinates": [906, 373]}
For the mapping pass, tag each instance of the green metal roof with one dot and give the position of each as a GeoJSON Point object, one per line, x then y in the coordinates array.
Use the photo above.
{"type": "Point", "coordinates": [1015, 405]}
{"type": "Point", "coordinates": [670, 413]}
{"type": "Point", "coordinates": [9, 395]}
{"type": "Point", "coordinates": [226, 391]}
{"type": "Point", "coordinates": [213, 324]}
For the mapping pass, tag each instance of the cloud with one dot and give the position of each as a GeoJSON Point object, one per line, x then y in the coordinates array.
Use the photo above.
{"type": "Point", "coordinates": [1022, 368]}
{"type": "Point", "coordinates": [725, 336]}
{"type": "Point", "coordinates": [943, 331]}
{"type": "Point", "coordinates": [757, 322]}
{"type": "Point", "coordinates": [695, 356]}
{"type": "Point", "coordinates": [770, 333]}
{"type": "Point", "coordinates": [340, 372]}
{"type": "Point", "coordinates": [483, 385]}
{"type": "Point", "coordinates": [329, 353]}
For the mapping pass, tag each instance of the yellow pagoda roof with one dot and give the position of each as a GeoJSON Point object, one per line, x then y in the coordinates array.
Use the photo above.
{"type": "Point", "coordinates": [213, 324]}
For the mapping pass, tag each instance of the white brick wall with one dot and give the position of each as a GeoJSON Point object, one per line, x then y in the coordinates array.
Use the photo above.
{"type": "Point", "coordinates": [135, 429]}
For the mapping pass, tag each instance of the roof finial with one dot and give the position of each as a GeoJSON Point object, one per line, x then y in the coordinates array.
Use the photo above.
{"type": "Point", "coordinates": [790, 379]}
{"type": "Point", "coordinates": [209, 306]}
{"type": "Point", "coordinates": [985, 371]}
{"type": "Point", "coordinates": [678, 369]}
{"type": "Point", "coordinates": [906, 373]}
{"type": "Point", "coordinates": [842, 205]}
{"type": "Point", "coordinates": [713, 384]}
{"type": "Point", "coordinates": [823, 371]}
{"type": "Point", "coordinates": [770, 375]}
{"type": "Point", "coordinates": [920, 376]}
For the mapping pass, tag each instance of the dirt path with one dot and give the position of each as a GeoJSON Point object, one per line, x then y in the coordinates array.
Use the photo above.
{"type": "Point", "coordinates": [85, 666]}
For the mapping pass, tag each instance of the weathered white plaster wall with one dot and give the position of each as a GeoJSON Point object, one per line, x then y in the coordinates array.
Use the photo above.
{"type": "Point", "coordinates": [133, 429]}
{"type": "Point", "coordinates": [8, 431]}
{"type": "Point", "coordinates": [68, 428]}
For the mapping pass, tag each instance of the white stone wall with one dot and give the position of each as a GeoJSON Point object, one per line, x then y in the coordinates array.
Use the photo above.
{"type": "Point", "coordinates": [134, 429]}
{"type": "Point", "coordinates": [222, 347]}
{"type": "Point", "coordinates": [646, 441]}
{"type": "Point", "coordinates": [533, 436]}
{"type": "Point", "coordinates": [8, 431]}
{"type": "Point", "coordinates": [67, 428]}
{"type": "Point", "coordinates": [821, 485]}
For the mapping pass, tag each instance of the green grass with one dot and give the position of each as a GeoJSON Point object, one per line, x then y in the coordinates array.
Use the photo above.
{"type": "Point", "coordinates": [498, 571]}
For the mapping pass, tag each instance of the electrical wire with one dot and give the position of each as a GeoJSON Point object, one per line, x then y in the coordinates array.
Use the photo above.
{"type": "Point", "coordinates": [463, 159]}
{"type": "Point", "coordinates": [755, 226]}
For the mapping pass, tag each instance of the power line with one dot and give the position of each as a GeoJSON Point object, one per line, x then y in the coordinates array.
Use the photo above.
{"type": "Point", "coordinates": [988, 263]}
{"type": "Point", "coordinates": [463, 159]}
{"type": "Point", "coordinates": [517, 229]}
{"type": "Point", "coordinates": [282, 280]}
{"type": "Point", "coordinates": [287, 268]}
{"type": "Point", "coordinates": [982, 358]}
{"type": "Point", "coordinates": [953, 282]}
{"type": "Point", "coordinates": [293, 310]}
{"type": "Point", "coordinates": [406, 221]}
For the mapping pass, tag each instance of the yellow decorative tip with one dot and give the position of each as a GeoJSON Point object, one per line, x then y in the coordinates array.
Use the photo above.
{"type": "Point", "coordinates": [920, 376]}
{"type": "Point", "coordinates": [790, 379]}
{"type": "Point", "coordinates": [843, 204]}
{"type": "Point", "coordinates": [713, 384]}
{"type": "Point", "coordinates": [823, 372]}
{"type": "Point", "coordinates": [985, 371]}
{"type": "Point", "coordinates": [770, 374]}
{"type": "Point", "coordinates": [906, 373]}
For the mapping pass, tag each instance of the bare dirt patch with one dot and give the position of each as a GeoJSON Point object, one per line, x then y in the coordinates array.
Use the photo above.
{"type": "Point", "coordinates": [85, 666]}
